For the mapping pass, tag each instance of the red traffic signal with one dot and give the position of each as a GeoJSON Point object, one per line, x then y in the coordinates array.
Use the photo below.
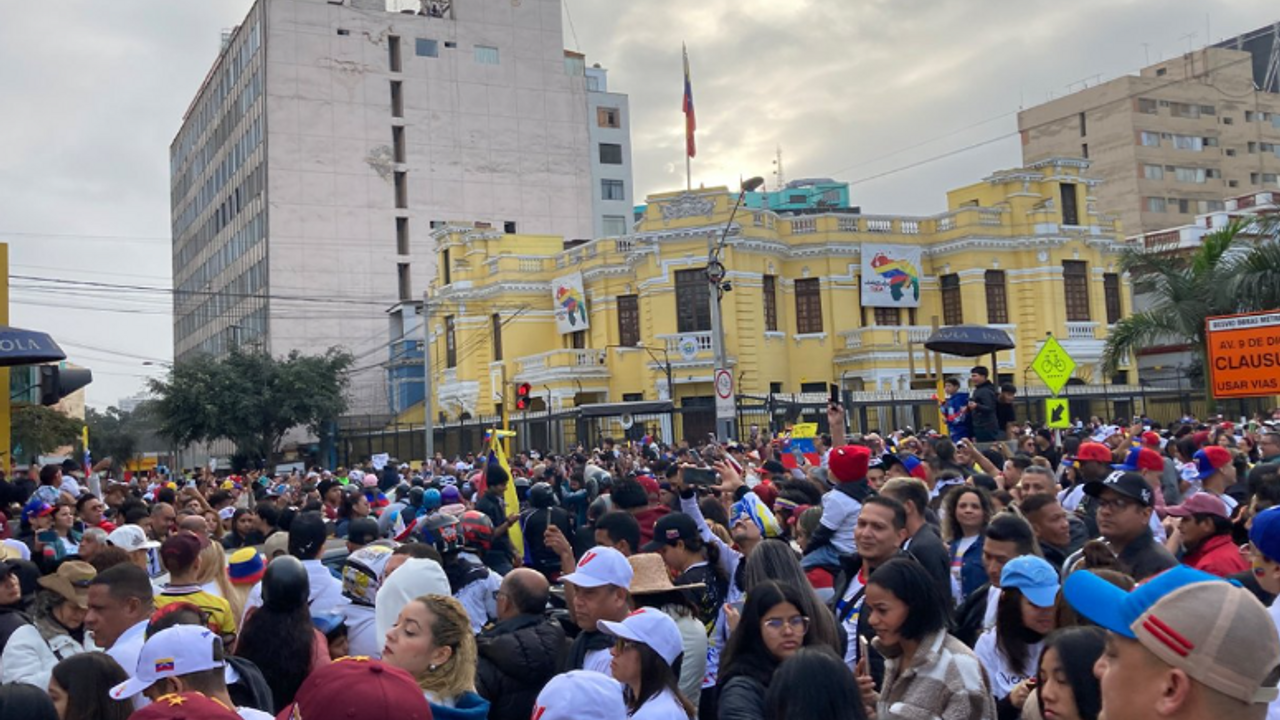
{"type": "Point", "coordinates": [522, 396]}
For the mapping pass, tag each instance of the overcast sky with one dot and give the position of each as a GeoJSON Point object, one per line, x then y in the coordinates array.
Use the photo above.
{"type": "Point", "coordinates": [868, 91]}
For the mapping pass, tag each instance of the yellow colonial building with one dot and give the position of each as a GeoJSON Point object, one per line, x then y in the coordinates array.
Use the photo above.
{"type": "Point", "coordinates": [814, 299]}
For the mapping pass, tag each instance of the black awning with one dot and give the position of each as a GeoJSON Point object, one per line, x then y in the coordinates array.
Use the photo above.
{"type": "Point", "coordinates": [643, 407]}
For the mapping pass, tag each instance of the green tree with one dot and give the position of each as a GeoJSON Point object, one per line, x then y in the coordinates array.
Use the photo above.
{"type": "Point", "coordinates": [38, 430]}
{"type": "Point", "coordinates": [117, 433]}
{"type": "Point", "coordinates": [1235, 269]}
{"type": "Point", "coordinates": [250, 398]}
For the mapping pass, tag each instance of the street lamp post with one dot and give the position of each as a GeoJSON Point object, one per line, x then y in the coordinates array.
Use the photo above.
{"type": "Point", "coordinates": [725, 426]}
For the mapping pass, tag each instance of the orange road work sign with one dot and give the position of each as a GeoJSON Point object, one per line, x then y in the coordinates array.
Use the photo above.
{"type": "Point", "coordinates": [1244, 354]}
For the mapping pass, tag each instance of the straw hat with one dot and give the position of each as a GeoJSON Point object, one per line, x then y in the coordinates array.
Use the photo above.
{"type": "Point", "coordinates": [71, 581]}
{"type": "Point", "coordinates": [651, 576]}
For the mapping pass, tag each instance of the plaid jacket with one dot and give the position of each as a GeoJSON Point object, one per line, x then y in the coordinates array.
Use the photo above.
{"type": "Point", "coordinates": [944, 681]}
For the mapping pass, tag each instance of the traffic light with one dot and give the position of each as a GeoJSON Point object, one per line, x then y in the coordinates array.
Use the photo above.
{"type": "Point", "coordinates": [57, 382]}
{"type": "Point", "coordinates": [522, 396]}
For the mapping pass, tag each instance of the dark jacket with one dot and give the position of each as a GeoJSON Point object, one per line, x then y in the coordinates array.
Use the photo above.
{"type": "Point", "coordinates": [11, 618]}
{"type": "Point", "coordinates": [742, 698]}
{"type": "Point", "coordinates": [534, 525]}
{"type": "Point", "coordinates": [986, 425]}
{"type": "Point", "coordinates": [972, 572]}
{"type": "Point", "coordinates": [927, 548]}
{"type": "Point", "coordinates": [517, 657]}
{"type": "Point", "coordinates": [1144, 557]}
{"type": "Point", "coordinates": [251, 690]}
{"type": "Point", "coordinates": [968, 617]}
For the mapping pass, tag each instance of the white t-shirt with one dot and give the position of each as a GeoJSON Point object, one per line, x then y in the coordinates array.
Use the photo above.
{"type": "Point", "coordinates": [1003, 677]}
{"type": "Point", "coordinates": [840, 516]}
{"type": "Point", "coordinates": [1071, 498]}
{"type": "Point", "coordinates": [252, 714]}
{"type": "Point", "coordinates": [598, 661]}
{"type": "Point", "coordinates": [851, 603]}
{"type": "Point", "coordinates": [993, 603]}
{"type": "Point", "coordinates": [662, 706]}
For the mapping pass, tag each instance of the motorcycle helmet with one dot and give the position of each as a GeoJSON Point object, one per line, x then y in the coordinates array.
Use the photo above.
{"type": "Point", "coordinates": [441, 532]}
{"type": "Point", "coordinates": [477, 531]}
{"type": "Point", "coordinates": [285, 586]}
{"type": "Point", "coordinates": [542, 496]}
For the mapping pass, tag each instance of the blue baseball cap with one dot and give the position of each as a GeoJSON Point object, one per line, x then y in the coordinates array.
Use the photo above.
{"type": "Point", "coordinates": [1034, 576]}
{"type": "Point", "coordinates": [1265, 533]}
{"type": "Point", "coordinates": [1213, 630]}
{"type": "Point", "coordinates": [1117, 610]}
{"type": "Point", "coordinates": [1210, 460]}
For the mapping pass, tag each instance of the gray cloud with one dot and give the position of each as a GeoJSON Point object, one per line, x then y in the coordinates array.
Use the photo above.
{"type": "Point", "coordinates": [95, 92]}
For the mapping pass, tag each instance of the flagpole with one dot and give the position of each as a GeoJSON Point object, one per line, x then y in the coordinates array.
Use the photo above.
{"type": "Point", "coordinates": [688, 173]}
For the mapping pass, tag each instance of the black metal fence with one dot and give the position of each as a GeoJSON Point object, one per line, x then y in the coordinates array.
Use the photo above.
{"type": "Point", "coordinates": [693, 419]}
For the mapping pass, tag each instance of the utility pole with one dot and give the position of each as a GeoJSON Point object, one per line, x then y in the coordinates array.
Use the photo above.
{"type": "Point", "coordinates": [428, 422]}
{"type": "Point", "coordinates": [716, 272]}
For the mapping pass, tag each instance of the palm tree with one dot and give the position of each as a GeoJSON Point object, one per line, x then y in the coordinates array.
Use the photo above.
{"type": "Point", "coordinates": [1235, 269]}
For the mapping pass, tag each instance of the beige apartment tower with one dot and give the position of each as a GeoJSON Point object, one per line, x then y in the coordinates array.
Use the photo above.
{"type": "Point", "coordinates": [1170, 142]}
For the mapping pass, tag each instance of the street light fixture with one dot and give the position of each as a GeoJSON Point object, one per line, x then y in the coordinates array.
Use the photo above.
{"type": "Point", "coordinates": [725, 426]}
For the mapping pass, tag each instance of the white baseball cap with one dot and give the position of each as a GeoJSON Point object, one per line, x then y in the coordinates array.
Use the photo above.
{"type": "Point", "coordinates": [172, 652]}
{"type": "Point", "coordinates": [651, 627]}
{"type": "Point", "coordinates": [580, 695]}
{"type": "Point", "coordinates": [601, 566]}
{"type": "Point", "coordinates": [130, 538]}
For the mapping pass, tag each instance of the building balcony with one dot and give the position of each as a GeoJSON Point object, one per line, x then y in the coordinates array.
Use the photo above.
{"type": "Point", "coordinates": [562, 365]}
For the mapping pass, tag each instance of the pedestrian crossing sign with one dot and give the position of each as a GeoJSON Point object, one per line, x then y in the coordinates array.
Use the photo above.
{"type": "Point", "coordinates": [1056, 414]}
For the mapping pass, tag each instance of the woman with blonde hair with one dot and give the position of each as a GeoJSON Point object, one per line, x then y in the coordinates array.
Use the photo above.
{"type": "Point", "coordinates": [213, 574]}
{"type": "Point", "coordinates": [433, 641]}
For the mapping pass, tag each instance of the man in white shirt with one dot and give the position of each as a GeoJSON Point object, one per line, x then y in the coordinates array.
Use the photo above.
{"type": "Point", "coordinates": [120, 604]}
{"type": "Point", "coordinates": [307, 535]}
{"type": "Point", "coordinates": [180, 659]}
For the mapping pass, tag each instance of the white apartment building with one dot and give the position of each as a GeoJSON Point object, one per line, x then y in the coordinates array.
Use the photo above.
{"type": "Point", "coordinates": [330, 136]}
{"type": "Point", "coordinates": [609, 121]}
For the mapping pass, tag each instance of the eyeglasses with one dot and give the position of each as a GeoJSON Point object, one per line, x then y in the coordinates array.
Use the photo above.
{"type": "Point", "coordinates": [1117, 504]}
{"type": "Point", "coordinates": [798, 623]}
{"type": "Point", "coordinates": [624, 645]}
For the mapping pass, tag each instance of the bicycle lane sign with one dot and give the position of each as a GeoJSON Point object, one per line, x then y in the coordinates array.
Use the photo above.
{"type": "Point", "coordinates": [1053, 365]}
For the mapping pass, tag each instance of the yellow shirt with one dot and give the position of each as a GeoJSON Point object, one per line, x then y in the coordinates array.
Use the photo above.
{"type": "Point", "coordinates": [221, 620]}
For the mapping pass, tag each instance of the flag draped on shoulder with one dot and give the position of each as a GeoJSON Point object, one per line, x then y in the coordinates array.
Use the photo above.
{"type": "Point", "coordinates": [690, 120]}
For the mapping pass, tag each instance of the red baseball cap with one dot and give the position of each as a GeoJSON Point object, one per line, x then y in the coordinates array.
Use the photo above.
{"type": "Point", "coordinates": [849, 463]}
{"type": "Point", "coordinates": [352, 687]}
{"type": "Point", "coordinates": [1150, 439]}
{"type": "Point", "coordinates": [1211, 459]}
{"type": "Point", "coordinates": [1202, 503]}
{"type": "Point", "coordinates": [1141, 459]}
{"type": "Point", "coordinates": [1092, 451]}
{"type": "Point", "coordinates": [185, 706]}
{"type": "Point", "coordinates": [649, 484]}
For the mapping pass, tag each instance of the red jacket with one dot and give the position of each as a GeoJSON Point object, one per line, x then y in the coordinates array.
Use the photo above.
{"type": "Point", "coordinates": [1218, 556]}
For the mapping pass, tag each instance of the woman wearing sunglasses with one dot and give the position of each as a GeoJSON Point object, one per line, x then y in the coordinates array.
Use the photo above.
{"type": "Point", "coordinates": [646, 660]}
{"type": "Point", "coordinates": [771, 630]}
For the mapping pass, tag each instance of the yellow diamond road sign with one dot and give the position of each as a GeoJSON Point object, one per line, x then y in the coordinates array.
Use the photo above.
{"type": "Point", "coordinates": [1056, 414]}
{"type": "Point", "coordinates": [1053, 365]}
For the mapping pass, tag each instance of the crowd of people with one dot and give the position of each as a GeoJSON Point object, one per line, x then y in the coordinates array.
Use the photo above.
{"type": "Point", "coordinates": [994, 572]}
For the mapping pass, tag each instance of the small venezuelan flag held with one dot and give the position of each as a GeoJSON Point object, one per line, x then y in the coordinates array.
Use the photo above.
{"type": "Point", "coordinates": [496, 455]}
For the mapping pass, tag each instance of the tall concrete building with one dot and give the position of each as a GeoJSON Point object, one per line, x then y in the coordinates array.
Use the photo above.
{"type": "Point", "coordinates": [331, 136]}
{"type": "Point", "coordinates": [1173, 141]}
